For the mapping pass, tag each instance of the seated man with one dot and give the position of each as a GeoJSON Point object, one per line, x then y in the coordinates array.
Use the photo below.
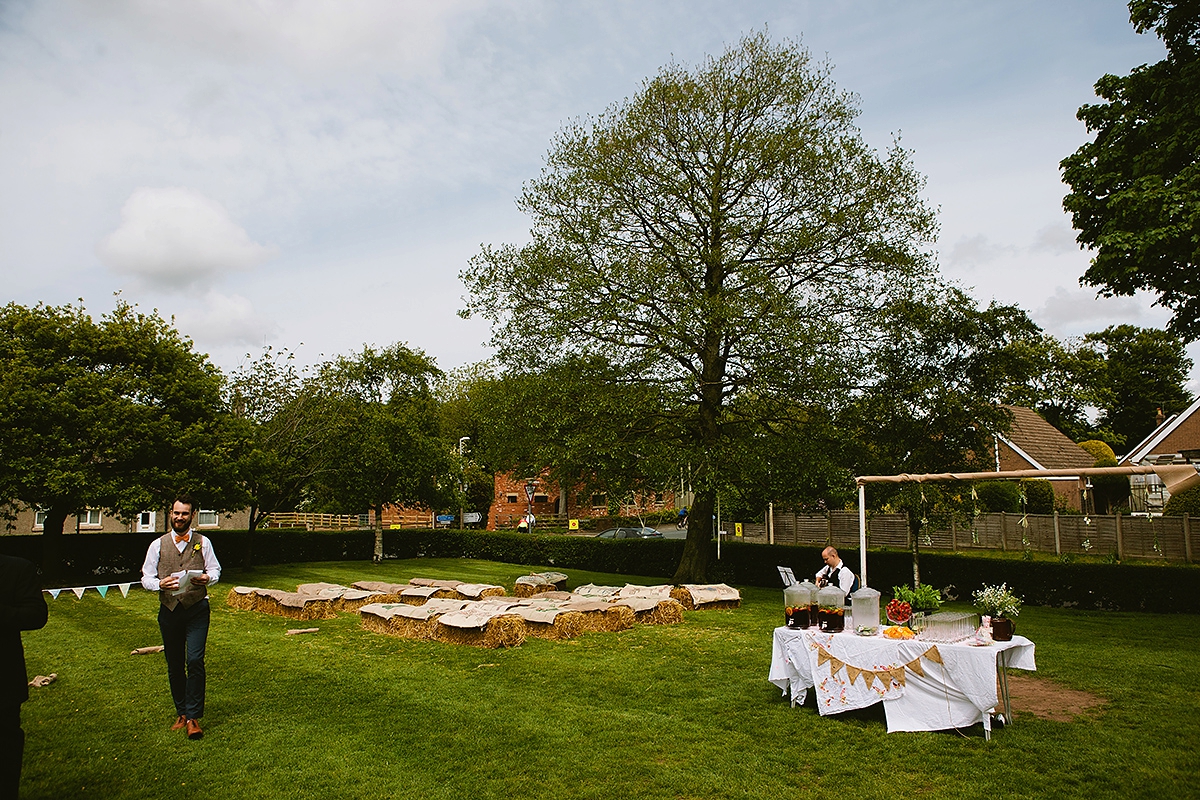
{"type": "Point", "coordinates": [835, 573]}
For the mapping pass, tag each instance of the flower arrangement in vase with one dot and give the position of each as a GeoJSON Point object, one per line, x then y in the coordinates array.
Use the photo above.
{"type": "Point", "coordinates": [999, 603]}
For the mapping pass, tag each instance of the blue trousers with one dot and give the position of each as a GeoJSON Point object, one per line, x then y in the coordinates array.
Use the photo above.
{"type": "Point", "coordinates": [184, 634]}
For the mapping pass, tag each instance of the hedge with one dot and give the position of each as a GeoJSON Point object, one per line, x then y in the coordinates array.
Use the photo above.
{"type": "Point", "coordinates": [93, 558]}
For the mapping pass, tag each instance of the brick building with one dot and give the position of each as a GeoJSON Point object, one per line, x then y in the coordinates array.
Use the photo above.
{"type": "Point", "coordinates": [1175, 441]}
{"type": "Point", "coordinates": [1033, 443]}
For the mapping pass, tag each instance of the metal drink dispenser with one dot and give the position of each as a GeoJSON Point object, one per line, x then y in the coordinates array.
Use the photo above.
{"type": "Point", "coordinates": [831, 611]}
{"type": "Point", "coordinates": [865, 603]}
{"type": "Point", "coordinates": [795, 605]}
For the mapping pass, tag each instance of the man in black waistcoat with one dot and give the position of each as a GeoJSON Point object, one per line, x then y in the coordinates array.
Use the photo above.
{"type": "Point", "coordinates": [180, 566]}
{"type": "Point", "coordinates": [22, 608]}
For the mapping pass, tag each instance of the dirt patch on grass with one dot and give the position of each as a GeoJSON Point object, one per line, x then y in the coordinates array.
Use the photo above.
{"type": "Point", "coordinates": [1046, 699]}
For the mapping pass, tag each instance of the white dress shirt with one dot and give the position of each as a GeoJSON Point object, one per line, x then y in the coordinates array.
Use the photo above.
{"type": "Point", "coordinates": [212, 567]}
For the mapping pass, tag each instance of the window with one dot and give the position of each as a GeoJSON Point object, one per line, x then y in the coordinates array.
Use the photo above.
{"type": "Point", "coordinates": [39, 519]}
{"type": "Point", "coordinates": [510, 498]}
{"type": "Point", "coordinates": [90, 518]}
{"type": "Point", "coordinates": [541, 498]}
{"type": "Point", "coordinates": [146, 521]}
{"type": "Point", "coordinates": [600, 501]}
{"type": "Point", "coordinates": [207, 519]}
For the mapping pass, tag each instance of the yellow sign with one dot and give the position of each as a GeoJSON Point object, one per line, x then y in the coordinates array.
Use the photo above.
{"type": "Point", "coordinates": [737, 529]}
{"type": "Point", "coordinates": [573, 525]}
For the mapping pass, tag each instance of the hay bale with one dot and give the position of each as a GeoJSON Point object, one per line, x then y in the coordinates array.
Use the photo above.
{"type": "Point", "coordinates": [329, 591]}
{"type": "Point", "coordinates": [566, 625]}
{"type": "Point", "coordinates": [378, 586]}
{"type": "Point", "coordinates": [507, 630]}
{"type": "Point", "coordinates": [667, 612]}
{"type": "Point", "coordinates": [241, 598]}
{"type": "Point", "coordinates": [683, 597]}
{"type": "Point", "coordinates": [607, 620]}
{"type": "Point", "coordinates": [294, 606]}
{"type": "Point", "coordinates": [354, 599]}
{"type": "Point", "coordinates": [395, 625]}
{"type": "Point", "coordinates": [478, 591]}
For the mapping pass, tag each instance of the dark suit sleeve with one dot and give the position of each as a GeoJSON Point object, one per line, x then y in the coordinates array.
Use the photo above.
{"type": "Point", "coordinates": [22, 605]}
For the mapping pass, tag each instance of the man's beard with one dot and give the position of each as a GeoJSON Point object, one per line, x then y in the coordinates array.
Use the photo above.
{"type": "Point", "coordinates": [181, 525]}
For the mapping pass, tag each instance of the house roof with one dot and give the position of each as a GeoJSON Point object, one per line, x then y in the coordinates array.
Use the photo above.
{"type": "Point", "coordinates": [1161, 434]}
{"type": "Point", "coordinates": [1041, 444]}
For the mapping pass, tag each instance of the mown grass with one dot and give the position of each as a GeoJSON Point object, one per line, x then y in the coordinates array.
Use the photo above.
{"type": "Point", "coordinates": [654, 712]}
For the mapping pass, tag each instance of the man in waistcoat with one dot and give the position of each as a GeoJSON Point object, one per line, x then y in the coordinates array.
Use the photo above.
{"type": "Point", "coordinates": [180, 566]}
{"type": "Point", "coordinates": [22, 608]}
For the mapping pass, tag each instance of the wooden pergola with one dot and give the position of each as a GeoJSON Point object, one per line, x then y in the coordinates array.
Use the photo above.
{"type": "Point", "coordinates": [1176, 477]}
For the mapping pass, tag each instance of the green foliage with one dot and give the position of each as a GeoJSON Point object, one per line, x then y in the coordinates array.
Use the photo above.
{"type": "Point", "coordinates": [996, 496]}
{"type": "Point", "coordinates": [1186, 502]}
{"type": "Point", "coordinates": [119, 414]}
{"type": "Point", "coordinates": [1145, 371]}
{"type": "Point", "coordinates": [923, 598]}
{"type": "Point", "coordinates": [997, 601]}
{"type": "Point", "coordinates": [1104, 455]}
{"type": "Point", "coordinates": [722, 240]}
{"type": "Point", "coordinates": [1039, 496]}
{"type": "Point", "coordinates": [1135, 189]}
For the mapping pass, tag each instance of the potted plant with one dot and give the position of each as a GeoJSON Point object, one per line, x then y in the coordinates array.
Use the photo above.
{"type": "Point", "coordinates": [923, 600]}
{"type": "Point", "coordinates": [999, 603]}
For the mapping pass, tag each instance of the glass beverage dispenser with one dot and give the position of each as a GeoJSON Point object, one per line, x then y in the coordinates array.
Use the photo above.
{"type": "Point", "coordinates": [797, 599]}
{"type": "Point", "coordinates": [865, 603]}
{"type": "Point", "coordinates": [831, 612]}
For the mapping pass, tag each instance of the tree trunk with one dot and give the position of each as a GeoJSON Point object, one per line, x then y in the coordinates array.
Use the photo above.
{"type": "Point", "coordinates": [378, 557]}
{"type": "Point", "coordinates": [248, 555]}
{"type": "Point", "coordinates": [697, 551]}
{"type": "Point", "coordinates": [52, 534]}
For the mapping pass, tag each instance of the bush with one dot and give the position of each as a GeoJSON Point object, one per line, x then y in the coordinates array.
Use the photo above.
{"type": "Point", "coordinates": [1101, 452]}
{"type": "Point", "coordinates": [1039, 497]}
{"type": "Point", "coordinates": [997, 496]}
{"type": "Point", "coordinates": [1184, 503]}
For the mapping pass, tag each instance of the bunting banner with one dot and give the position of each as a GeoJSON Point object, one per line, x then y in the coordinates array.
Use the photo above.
{"type": "Point", "coordinates": [102, 589]}
{"type": "Point", "coordinates": [888, 675]}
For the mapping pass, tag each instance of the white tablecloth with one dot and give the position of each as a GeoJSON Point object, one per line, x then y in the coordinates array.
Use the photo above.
{"type": "Point", "coordinates": [952, 687]}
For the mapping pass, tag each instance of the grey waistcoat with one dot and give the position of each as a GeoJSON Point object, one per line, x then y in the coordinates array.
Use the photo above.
{"type": "Point", "coordinates": [171, 560]}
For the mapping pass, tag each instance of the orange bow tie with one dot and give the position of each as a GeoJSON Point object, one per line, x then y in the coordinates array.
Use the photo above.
{"type": "Point", "coordinates": [183, 538]}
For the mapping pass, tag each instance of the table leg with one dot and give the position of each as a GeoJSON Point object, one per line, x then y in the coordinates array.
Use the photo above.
{"type": "Point", "coordinates": [1006, 703]}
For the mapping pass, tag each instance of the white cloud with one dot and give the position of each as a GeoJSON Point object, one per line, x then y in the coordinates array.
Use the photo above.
{"type": "Point", "coordinates": [176, 237]}
{"type": "Point", "coordinates": [1071, 309]}
{"type": "Point", "coordinates": [1056, 239]}
{"type": "Point", "coordinates": [977, 250]}
{"type": "Point", "coordinates": [217, 320]}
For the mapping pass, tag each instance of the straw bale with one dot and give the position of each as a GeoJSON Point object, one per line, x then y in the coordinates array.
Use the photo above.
{"type": "Point", "coordinates": [432, 582]}
{"type": "Point", "coordinates": [294, 606]}
{"type": "Point", "coordinates": [355, 599]}
{"type": "Point", "coordinates": [667, 612]}
{"type": "Point", "coordinates": [730, 597]}
{"type": "Point", "coordinates": [597, 592]}
{"type": "Point", "coordinates": [684, 597]}
{"type": "Point", "coordinates": [266, 600]}
{"type": "Point", "coordinates": [378, 586]}
{"type": "Point", "coordinates": [608, 620]}
{"type": "Point", "coordinates": [240, 597]}
{"type": "Point", "coordinates": [403, 627]}
{"type": "Point", "coordinates": [330, 591]}
{"type": "Point", "coordinates": [419, 595]}
{"type": "Point", "coordinates": [504, 631]}
{"type": "Point", "coordinates": [478, 591]}
{"type": "Point", "coordinates": [566, 625]}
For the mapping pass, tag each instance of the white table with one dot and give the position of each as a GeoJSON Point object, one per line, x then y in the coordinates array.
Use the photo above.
{"type": "Point", "coordinates": [924, 686]}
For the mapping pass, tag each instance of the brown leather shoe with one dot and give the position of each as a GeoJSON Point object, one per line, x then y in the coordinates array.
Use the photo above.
{"type": "Point", "coordinates": [194, 731]}
{"type": "Point", "coordinates": [180, 721]}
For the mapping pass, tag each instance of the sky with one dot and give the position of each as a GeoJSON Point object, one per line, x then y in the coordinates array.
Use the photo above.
{"type": "Point", "coordinates": [314, 174]}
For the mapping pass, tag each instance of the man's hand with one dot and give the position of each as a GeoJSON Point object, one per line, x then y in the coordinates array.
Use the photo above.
{"type": "Point", "coordinates": [169, 582]}
{"type": "Point", "coordinates": [201, 579]}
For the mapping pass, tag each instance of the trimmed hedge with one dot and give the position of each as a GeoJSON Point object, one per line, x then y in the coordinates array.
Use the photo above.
{"type": "Point", "coordinates": [93, 558]}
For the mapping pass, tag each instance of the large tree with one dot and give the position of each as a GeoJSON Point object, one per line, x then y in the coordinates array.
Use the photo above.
{"type": "Point", "coordinates": [1135, 189]}
{"type": "Point", "coordinates": [118, 414]}
{"type": "Point", "coordinates": [382, 441]}
{"type": "Point", "coordinates": [724, 233]}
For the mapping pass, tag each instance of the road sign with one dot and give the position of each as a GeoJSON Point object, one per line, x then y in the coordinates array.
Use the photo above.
{"type": "Point", "coordinates": [529, 490]}
{"type": "Point", "coordinates": [573, 525]}
{"type": "Point", "coordinates": [445, 518]}
{"type": "Point", "coordinates": [471, 517]}
{"type": "Point", "coordinates": [737, 529]}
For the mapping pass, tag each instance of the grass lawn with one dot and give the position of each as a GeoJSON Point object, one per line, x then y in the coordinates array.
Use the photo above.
{"type": "Point", "coordinates": [680, 711]}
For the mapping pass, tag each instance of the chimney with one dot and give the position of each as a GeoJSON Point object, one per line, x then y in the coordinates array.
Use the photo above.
{"type": "Point", "coordinates": [1158, 418]}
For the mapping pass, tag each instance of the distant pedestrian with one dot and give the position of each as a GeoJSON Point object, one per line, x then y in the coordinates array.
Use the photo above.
{"type": "Point", "coordinates": [183, 558]}
{"type": "Point", "coordinates": [22, 608]}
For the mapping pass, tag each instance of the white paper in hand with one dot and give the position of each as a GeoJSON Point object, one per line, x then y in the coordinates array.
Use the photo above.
{"type": "Point", "coordinates": [185, 580]}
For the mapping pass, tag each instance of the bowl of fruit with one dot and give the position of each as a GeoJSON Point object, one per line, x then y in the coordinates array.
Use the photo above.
{"type": "Point", "coordinates": [899, 612]}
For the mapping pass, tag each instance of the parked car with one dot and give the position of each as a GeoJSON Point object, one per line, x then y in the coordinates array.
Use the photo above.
{"type": "Point", "coordinates": [629, 533]}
